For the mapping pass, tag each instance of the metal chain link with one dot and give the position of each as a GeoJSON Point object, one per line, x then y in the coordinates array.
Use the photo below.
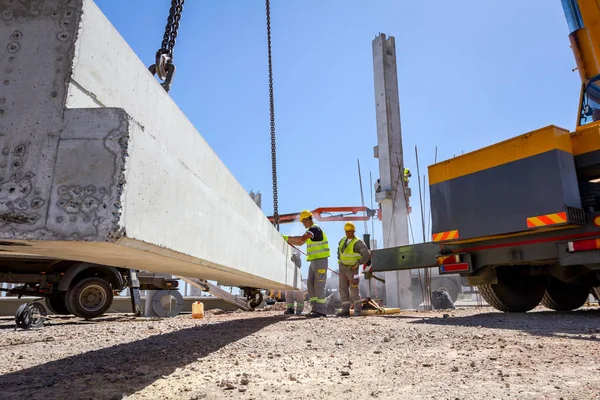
{"type": "Point", "coordinates": [168, 43]}
{"type": "Point", "coordinates": [272, 110]}
{"type": "Point", "coordinates": [163, 66]}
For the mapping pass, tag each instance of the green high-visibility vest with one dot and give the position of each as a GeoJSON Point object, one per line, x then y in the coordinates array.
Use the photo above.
{"type": "Point", "coordinates": [348, 256]}
{"type": "Point", "coordinates": [317, 250]}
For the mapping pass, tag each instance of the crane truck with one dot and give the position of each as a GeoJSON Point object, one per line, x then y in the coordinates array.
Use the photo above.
{"type": "Point", "coordinates": [520, 219]}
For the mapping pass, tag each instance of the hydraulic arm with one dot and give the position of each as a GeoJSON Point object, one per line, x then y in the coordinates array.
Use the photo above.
{"type": "Point", "coordinates": [582, 18]}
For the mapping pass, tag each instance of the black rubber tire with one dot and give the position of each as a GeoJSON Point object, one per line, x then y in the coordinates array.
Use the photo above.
{"type": "Point", "coordinates": [30, 315]}
{"type": "Point", "coordinates": [562, 296]}
{"type": "Point", "coordinates": [100, 287]}
{"type": "Point", "coordinates": [56, 303]}
{"type": "Point", "coordinates": [519, 294]}
{"type": "Point", "coordinates": [447, 285]}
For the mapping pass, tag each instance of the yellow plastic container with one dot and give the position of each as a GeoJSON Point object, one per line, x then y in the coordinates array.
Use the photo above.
{"type": "Point", "coordinates": [198, 309]}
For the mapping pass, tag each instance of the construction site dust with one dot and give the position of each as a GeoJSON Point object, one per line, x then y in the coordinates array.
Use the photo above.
{"type": "Point", "coordinates": [459, 354]}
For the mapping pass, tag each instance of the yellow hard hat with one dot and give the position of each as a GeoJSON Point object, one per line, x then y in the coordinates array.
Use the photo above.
{"type": "Point", "coordinates": [349, 226]}
{"type": "Point", "coordinates": [305, 214]}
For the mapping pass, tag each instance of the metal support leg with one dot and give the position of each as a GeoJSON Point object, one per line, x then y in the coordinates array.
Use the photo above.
{"type": "Point", "coordinates": [134, 291]}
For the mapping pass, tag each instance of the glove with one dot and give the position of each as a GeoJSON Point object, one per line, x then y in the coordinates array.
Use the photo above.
{"type": "Point", "coordinates": [368, 264]}
{"type": "Point", "coordinates": [285, 237]}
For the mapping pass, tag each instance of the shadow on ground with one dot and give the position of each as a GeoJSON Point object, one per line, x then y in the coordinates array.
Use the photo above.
{"type": "Point", "coordinates": [539, 323]}
{"type": "Point", "coordinates": [126, 368]}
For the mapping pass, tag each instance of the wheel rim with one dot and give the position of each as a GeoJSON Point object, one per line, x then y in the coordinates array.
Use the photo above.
{"type": "Point", "coordinates": [444, 289]}
{"type": "Point", "coordinates": [92, 298]}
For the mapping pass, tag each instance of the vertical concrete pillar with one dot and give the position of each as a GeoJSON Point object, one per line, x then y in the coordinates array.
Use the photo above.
{"type": "Point", "coordinates": [391, 165]}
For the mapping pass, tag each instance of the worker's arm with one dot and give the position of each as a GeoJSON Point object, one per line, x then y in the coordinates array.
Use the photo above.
{"type": "Point", "coordinates": [299, 240]}
{"type": "Point", "coordinates": [365, 254]}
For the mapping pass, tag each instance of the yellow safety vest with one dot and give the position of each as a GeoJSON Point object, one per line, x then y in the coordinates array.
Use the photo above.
{"type": "Point", "coordinates": [317, 250]}
{"type": "Point", "coordinates": [406, 172]}
{"type": "Point", "coordinates": [348, 256]}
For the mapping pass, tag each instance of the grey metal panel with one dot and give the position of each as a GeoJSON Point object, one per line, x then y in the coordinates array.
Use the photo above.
{"type": "Point", "coordinates": [499, 200]}
{"type": "Point", "coordinates": [590, 259]}
{"type": "Point", "coordinates": [420, 255]}
{"type": "Point", "coordinates": [590, 159]}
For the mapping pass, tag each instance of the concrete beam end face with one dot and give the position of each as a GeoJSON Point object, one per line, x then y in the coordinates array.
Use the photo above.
{"type": "Point", "coordinates": [37, 44]}
{"type": "Point", "coordinates": [89, 176]}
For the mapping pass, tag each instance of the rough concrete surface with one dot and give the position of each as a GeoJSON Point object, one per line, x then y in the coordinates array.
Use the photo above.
{"type": "Point", "coordinates": [467, 354]}
{"type": "Point", "coordinates": [93, 152]}
{"type": "Point", "coordinates": [394, 207]}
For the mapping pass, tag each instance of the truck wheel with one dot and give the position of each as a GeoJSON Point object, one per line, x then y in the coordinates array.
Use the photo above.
{"type": "Point", "coordinates": [90, 297]}
{"type": "Point", "coordinates": [519, 294]}
{"type": "Point", "coordinates": [447, 286]}
{"type": "Point", "coordinates": [562, 296]}
{"type": "Point", "coordinates": [56, 304]}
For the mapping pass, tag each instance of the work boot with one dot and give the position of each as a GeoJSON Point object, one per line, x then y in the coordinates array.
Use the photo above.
{"type": "Point", "coordinates": [343, 313]}
{"type": "Point", "coordinates": [289, 311]}
{"type": "Point", "coordinates": [299, 311]}
{"type": "Point", "coordinates": [314, 314]}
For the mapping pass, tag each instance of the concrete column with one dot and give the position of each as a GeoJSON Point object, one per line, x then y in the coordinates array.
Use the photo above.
{"type": "Point", "coordinates": [391, 165]}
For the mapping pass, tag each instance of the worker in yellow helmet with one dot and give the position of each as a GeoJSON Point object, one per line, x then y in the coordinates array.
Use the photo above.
{"type": "Point", "coordinates": [317, 253]}
{"type": "Point", "coordinates": [351, 253]}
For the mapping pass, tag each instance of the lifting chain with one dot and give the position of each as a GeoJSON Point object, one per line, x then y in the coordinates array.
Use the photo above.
{"type": "Point", "coordinates": [163, 66]}
{"type": "Point", "coordinates": [272, 109]}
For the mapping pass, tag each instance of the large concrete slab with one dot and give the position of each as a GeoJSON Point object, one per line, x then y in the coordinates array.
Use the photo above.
{"type": "Point", "coordinates": [99, 164]}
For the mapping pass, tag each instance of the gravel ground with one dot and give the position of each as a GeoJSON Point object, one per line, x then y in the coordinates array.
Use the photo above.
{"type": "Point", "coordinates": [464, 354]}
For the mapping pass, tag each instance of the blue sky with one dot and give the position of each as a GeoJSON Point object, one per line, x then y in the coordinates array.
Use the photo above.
{"type": "Point", "coordinates": [470, 73]}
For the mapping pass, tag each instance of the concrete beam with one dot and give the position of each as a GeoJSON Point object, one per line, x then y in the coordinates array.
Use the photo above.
{"type": "Point", "coordinates": [98, 163]}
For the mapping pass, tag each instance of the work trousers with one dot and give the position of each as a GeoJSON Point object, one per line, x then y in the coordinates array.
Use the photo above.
{"type": "Point", "coordinates": [349, 287]}
{"type": "Point", "coordinates": [294, 295]}
{"type": "Point", "coordinates": [317, 276]}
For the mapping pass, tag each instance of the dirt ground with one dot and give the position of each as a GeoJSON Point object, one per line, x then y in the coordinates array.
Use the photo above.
{"type": "Point", "coordinates": [466, 354]}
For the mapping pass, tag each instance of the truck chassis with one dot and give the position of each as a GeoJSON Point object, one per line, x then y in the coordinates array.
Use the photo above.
{"type": "Point", "coordinates": [558, 269]}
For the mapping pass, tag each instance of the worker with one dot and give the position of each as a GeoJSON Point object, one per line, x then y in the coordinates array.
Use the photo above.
{"type": "Point", "coordinates": [351, 253]}
{"type": "Point", "coordinates": [406, 176]}
{"type": "Point", "coordinates": [295, 298]}
{"type": "Point", "coordinates": [317, 253]}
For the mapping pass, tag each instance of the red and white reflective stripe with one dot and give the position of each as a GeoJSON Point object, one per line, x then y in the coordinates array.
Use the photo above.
{"type": "Point", "coordinates": [455, 267]}
{"type": "Point", "coordinates": [583, 245]}
{"type": "Point", "coordinates": [367, 268]}
{"type": "Point", "coordinates": [453, 259]}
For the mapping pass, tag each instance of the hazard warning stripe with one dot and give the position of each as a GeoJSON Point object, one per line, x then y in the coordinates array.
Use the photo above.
{"type": "Point", "coordinates": [548, 219]}
{"type": "Point", "coordinates": [440, 237]}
